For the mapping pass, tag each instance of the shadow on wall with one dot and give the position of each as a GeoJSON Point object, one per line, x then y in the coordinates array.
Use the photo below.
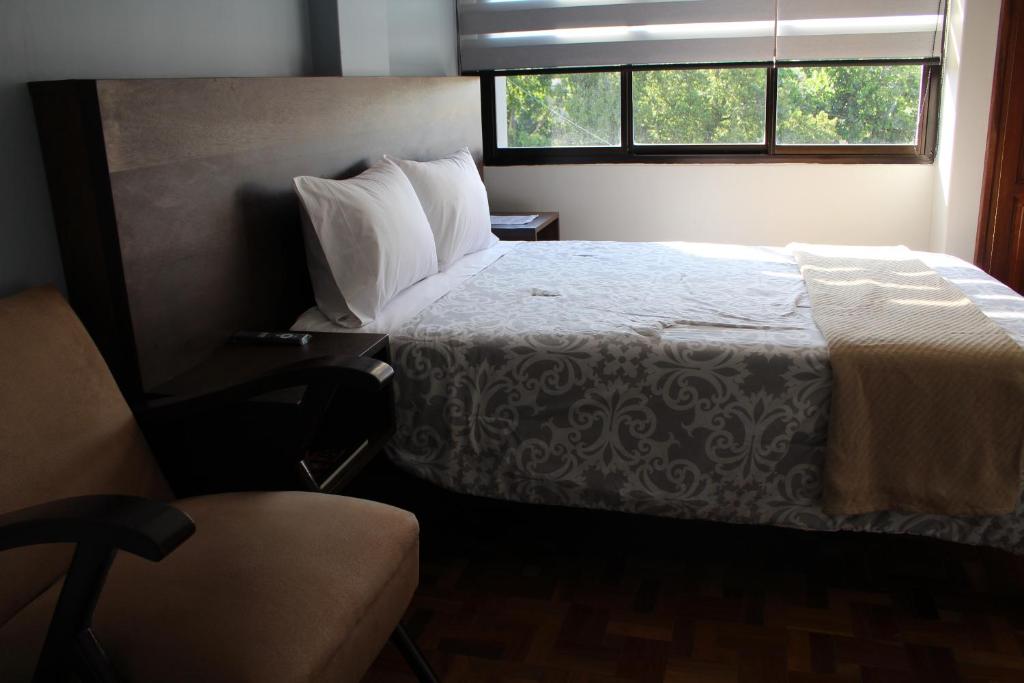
{"type": "Point", "coordinates": [270, 220]}
{"type": "Point", "coordinates": [28, 242]}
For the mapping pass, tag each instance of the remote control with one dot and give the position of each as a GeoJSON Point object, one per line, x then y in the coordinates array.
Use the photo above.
{"type": "Point", "coordinates": [277, 338]}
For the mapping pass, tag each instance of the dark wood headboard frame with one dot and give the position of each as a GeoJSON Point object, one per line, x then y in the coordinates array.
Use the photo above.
{"type": "Point", "coordinates": [174, 205]}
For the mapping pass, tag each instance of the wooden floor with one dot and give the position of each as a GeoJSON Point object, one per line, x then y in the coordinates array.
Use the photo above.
{"type": "Point", "coordinates": [521, 593]}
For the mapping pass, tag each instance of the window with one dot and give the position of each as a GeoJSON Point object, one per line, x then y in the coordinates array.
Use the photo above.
{"type": "Point", "coordinates": [559, 110]}
{"type": "Point", "coordinates": [699, 106]}
{"type": "Point", "coordinates": [696, 80]}
{"type": "Point", "coordinates": [849, 105]}
{"type": "Point", "coordinates": [880, 111]}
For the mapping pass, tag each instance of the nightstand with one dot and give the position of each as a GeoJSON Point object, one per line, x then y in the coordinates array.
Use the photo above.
{"type": "Point", "coordinates": [542, 228]}
{"type": "Point", "coordinates": [275, 417]}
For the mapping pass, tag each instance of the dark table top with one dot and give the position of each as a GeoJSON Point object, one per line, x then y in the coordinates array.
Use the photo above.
{"type": "Point", "coordinates": [236, 363]}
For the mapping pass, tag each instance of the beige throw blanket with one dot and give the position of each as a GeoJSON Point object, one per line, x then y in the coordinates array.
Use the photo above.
{"type": "Point", "coordinates": [928, 393]}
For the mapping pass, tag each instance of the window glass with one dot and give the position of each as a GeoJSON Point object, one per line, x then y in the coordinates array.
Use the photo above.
{"type": "Point", "coordinates": [699, 106]}
{"type": "Point", "coordinates": [558, 110]}
{"type": "Point", "coordinates": [855, 105]}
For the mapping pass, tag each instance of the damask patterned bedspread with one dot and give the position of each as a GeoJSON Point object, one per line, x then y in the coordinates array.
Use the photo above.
{"type": "Point", "coordinates": [676, 379]}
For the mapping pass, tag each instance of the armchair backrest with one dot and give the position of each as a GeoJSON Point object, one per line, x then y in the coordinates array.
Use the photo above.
{"type": "Point", "coordinates": [65, 430]}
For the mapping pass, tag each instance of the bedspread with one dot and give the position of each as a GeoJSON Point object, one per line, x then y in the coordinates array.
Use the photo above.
{"type": "Point", "coordinates": [908, 351]}
{"type": "Point", "coordinates": [676, 379]}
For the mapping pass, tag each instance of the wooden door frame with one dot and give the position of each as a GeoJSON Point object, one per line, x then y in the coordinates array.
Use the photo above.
{"type": "Point", "coordinates": [988, 240]}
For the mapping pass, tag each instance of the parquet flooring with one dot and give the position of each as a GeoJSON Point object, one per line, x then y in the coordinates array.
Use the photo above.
{"type": "Point", "coordinates": [513, 593]}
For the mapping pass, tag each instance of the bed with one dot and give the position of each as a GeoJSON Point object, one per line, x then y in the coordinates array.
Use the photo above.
{"type": "Point", "coordinates": [674, 379]}
{"type": "Point", "coordinates": [679, 380]}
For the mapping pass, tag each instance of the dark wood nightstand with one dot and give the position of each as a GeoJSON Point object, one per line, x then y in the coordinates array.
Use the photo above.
{"type": "Point", "coordinates": [542, 228]}
{"type": "Point", "coordinates": [313, 436]}
{"type": "Point", "coordinates": [234, 363]}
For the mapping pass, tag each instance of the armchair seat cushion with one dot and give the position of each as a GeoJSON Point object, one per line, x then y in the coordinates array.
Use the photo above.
{"type": "Point", "coordinates": [279, 586]}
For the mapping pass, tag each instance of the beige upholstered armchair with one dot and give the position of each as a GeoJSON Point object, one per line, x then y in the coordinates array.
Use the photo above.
{"type": "Point", "coordinates": [271, 586]}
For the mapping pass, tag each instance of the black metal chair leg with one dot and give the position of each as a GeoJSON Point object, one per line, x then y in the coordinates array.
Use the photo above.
{"type": "Point", "coordinates": [413, 657]}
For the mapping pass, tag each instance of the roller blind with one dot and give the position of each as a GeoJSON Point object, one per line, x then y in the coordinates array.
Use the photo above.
{"type": "Point", "coordinates": [520, 34]}
{"type": "Point", "coordinates": [525, 34]}
{"type": "Point", "coordinates": [860, 29]}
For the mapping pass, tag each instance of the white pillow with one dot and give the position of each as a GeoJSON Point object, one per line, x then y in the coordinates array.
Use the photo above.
{"type": "Point", "coordinates": [366, 238]}
{"type": "Point", "coordinates": [455, 201]}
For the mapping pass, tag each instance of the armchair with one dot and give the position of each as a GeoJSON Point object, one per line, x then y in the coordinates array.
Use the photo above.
{"type": "Point", "coordinates": [262, 586]}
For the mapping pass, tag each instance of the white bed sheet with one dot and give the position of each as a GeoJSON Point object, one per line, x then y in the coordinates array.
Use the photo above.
{"type": "Point", "coordinates": [412, 301]}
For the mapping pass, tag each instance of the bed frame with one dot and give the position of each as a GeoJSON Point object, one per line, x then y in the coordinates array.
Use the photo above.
{"type": "Point", "coordinates": [174, 205]}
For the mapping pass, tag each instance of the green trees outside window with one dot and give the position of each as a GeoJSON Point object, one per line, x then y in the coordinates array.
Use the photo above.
{"type": "Point", "coordinates": [815, 105]}
{"type": "Point", "coordinates": [699, 106]}
{"type": "Point", "coordinates": [856, 105]}
{"type": "Point", "coordinates": [563, 110]}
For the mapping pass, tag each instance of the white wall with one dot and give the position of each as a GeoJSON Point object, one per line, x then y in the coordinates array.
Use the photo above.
{"type": "Point", "coordinates": [422, 38]}
{"type": "Point", "coordinates": [54, 39]}
{"type": "Point", "coordinates": [364, 38]}
{"type": "Point", "coordinates": [769, 204]}
{"type": "Point", "coordinates": [398, 37]}
{"type": "Point", "coordinates": [963, 125]}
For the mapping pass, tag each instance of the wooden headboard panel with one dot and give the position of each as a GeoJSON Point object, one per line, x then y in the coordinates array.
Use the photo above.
{"type": "Point", "coordinates": [190, 213]}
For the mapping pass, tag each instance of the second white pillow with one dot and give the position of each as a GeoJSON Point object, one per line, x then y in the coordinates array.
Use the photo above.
{"type": "Point", "coordinates": [455, 201]}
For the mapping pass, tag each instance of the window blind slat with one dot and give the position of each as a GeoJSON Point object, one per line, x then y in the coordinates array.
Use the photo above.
{"type": "Point", "coordinates": [503, 17]}
{"type": "Point", "coordinates": [525, 34]}
{"type": "Point", "coordinates": [618, 52]}
{"type": "Point", "coordinates": [839, 9]}
{"type": "Point", "coordinates": [833, 47]}
{"type": "Point", "coordinates": [865, 29]}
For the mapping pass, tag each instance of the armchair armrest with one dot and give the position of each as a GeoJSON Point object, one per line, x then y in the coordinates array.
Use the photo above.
{"type": "Point", "coordinates": [141, 526]}
{"type": "Point", "coordinates": [365, 375]}
{"type": "Point", "coordinates": [99, 526]}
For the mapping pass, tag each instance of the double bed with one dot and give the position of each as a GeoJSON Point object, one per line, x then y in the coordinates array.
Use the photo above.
{"type": "Point", "coordinates": [681, 380]}
{"type": "Point", "coordinates": [675, 379]}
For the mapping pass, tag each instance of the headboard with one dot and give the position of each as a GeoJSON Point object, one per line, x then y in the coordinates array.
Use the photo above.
{"type": "Point", "coordinates": [174, 204]}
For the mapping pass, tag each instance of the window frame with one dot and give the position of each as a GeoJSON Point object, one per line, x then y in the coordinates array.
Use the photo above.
{"type": "Point", "coordinates": [767, 152]}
